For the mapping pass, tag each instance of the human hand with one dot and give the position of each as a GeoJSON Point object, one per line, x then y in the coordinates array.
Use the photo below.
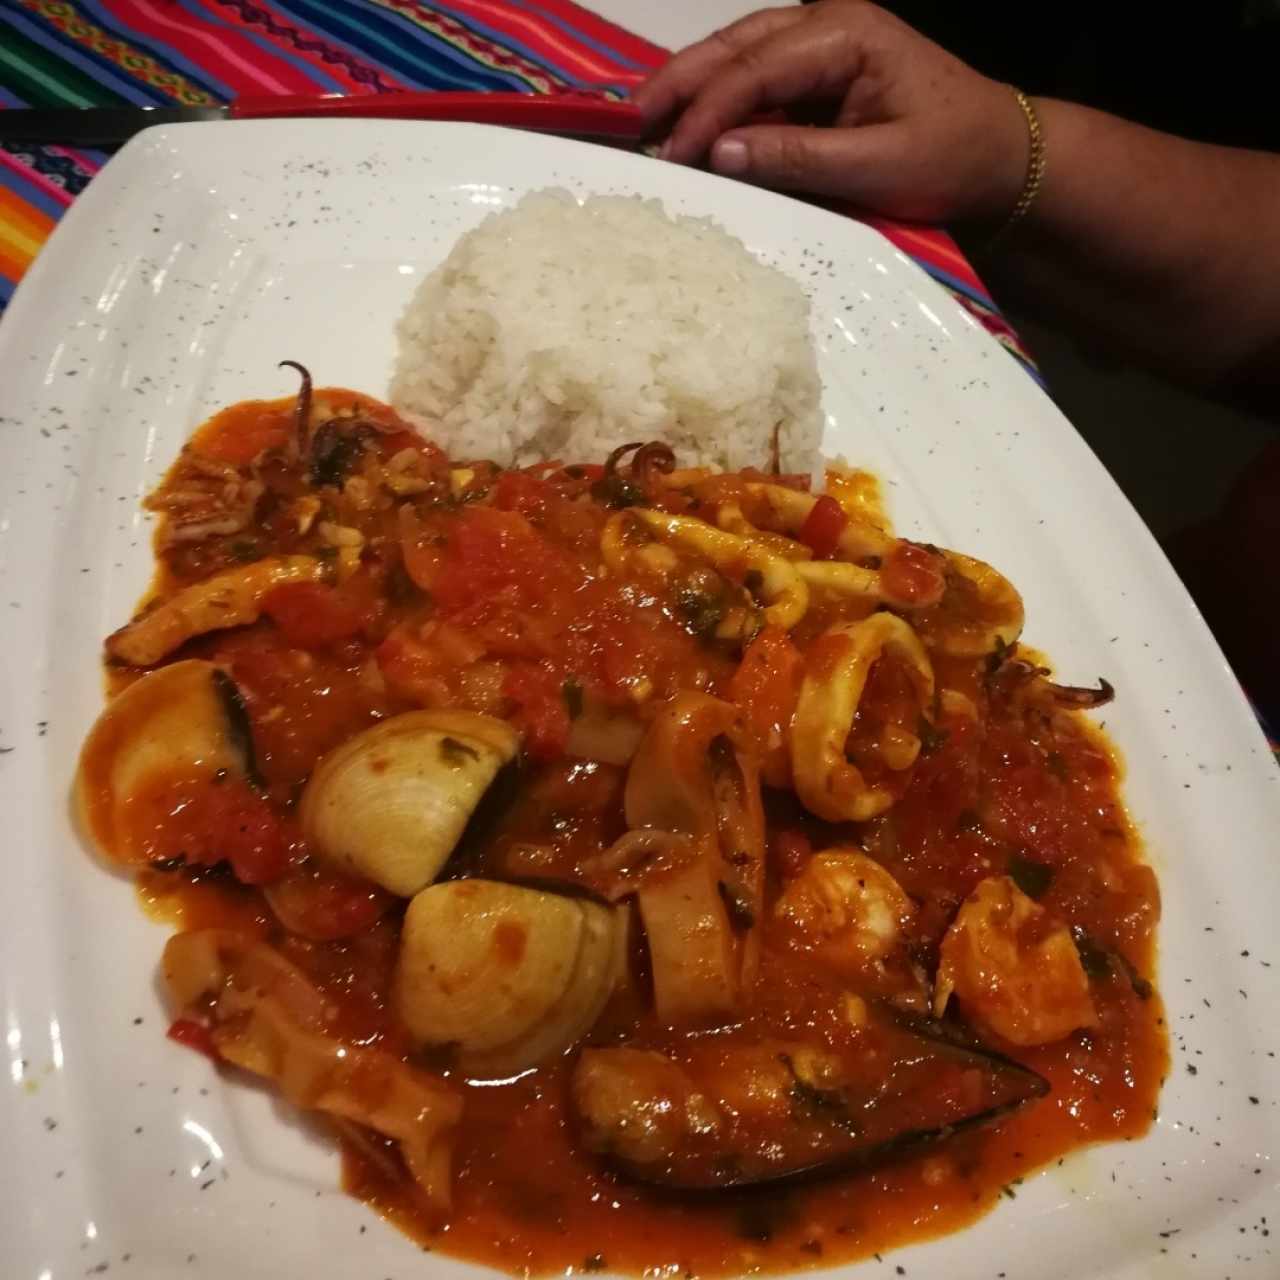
{"type": "Point", "coordinates": [909, 131]}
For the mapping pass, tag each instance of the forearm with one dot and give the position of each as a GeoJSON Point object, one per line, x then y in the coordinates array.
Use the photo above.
{"type": "Point", "coordinates": [1166, 248]}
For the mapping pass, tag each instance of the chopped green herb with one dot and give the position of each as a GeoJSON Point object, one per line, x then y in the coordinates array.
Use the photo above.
{"type": "Point", "coordinates": [741, 917]}
{"type": "Point", "coordinates": [931, 737]}
{"type": "Point", "coordinates": [1095, 960]}
{"type": "Point", "coordinates": [571, 692]}
{"type": "Point", "coordinates": [335, 449]}
{"type": "Point", "coordinates": [455, 753]}
{"type": "Point", "coordinates": [701, 611]}
{"type": "Point", "coordinates": [401, 588]}
{"type": "Point", "coordinates": [245, 549]}
{"type": "Point", "coordinates": [613, 491]}
{"type": "Point", "coordinates": [1000, 655]}
{"type": "Point", "coordinates": [238, 725]}
{"type": "Point", "coordinates": [1032, 877]}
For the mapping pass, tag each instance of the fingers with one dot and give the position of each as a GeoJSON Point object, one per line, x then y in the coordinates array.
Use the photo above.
{"type": "Point", "coordinates": [799, 61]}
{"type": "Point", "coordinates": [853, 164]}
{"type": "Point", "coordinates": [677, 80]}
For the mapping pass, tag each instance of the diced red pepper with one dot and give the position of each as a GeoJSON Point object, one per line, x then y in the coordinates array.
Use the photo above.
{"type": "Point", "coordinates": [823, 526]}
{"type": "Point", "coordinates": [193, 1035]}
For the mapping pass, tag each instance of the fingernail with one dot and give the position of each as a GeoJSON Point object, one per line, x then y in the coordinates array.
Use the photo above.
{"type": "Point", "coordinates": [664, 151]}
{"type": "Point", "coordinates": [729, 156]}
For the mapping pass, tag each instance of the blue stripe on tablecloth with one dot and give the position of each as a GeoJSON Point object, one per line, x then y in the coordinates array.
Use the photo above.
{"type": "Point", "coordinates": [383, 42]}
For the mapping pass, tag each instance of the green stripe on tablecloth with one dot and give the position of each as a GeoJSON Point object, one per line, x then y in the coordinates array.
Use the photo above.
{"type": "Point", "coordinates": [42, 80]}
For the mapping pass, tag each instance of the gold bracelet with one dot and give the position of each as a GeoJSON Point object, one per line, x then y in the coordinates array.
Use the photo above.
{"type": "Point", "coordinates": [1035, 166]}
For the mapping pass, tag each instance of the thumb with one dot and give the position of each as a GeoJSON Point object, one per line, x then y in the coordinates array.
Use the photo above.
{"type": "Point", "coordinates": [846, 162]}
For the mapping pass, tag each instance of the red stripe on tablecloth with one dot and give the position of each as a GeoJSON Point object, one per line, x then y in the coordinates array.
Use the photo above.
{"type": "Point", "coordinates": [27, 174]}
{"type": "Point", "coordinates": [928, 242]}
{"type": "Point", "coordinates": [627, 43]}
{"type": "Point", "coordinates": [210, 48]}
{"type": "Point", "coordinates": [578, 61]}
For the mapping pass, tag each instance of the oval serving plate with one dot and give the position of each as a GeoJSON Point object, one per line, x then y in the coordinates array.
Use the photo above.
{"type": "Point", "coordinates": [202, 255]}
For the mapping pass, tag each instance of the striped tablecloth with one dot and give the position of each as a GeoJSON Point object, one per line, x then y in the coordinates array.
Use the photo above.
{"type": "Point", "coordinates": [79, 53]}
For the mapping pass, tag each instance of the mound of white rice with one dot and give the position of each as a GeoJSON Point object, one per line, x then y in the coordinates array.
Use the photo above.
{"type": "Point", "coordinates": [561, 330]}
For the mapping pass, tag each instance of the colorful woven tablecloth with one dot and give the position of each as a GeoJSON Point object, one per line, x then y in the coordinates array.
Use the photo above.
{"type": "Point", "coordinates": [79, 53]}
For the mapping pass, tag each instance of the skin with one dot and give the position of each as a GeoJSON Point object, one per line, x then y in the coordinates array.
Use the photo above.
{"type": "Point", "coordinates": [1148, 241]}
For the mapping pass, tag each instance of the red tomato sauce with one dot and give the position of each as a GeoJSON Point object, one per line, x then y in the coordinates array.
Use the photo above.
{"type": "Point", "coordinates": [483, 589]}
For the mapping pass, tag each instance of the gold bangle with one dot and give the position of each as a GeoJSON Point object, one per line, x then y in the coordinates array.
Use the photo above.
{"type": "Point", "coordinates": [1035, 166]}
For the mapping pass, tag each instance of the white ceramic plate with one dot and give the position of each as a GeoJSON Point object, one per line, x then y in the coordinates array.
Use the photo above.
{"type": "Point", "coordinates": [201, 256]}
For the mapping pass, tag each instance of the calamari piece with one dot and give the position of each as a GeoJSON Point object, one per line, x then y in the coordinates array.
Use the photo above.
{"type": "Point", "coordinates": [846, 908]}
{"type": "Point", "coordinates": [732, 1112]}
{"type": "Point", "coordinates": [858, 492]}
{"type": "Point", "coordinates": [695, 774]}
{"type": "Point", "coordinates": [694, 952]}
{"type": "Point", "coordinates": [779, 585]}
{"type": "Point", "coordinates": [265, 1016]}
{"type": "Point", "coordinates": [980, 611]}
{"type": "Point", "coordinates": [788, 509]}
{"type": "Point", "coordinates": [1014, 969]}
{"type": "Point", "coordinates": [841, 578]}
{"type": "Point", "coordinates": [838, 664]}
{"type": "Point", "coordinates": [229, 599]}
{"type": "Point", "coordinates": [730, 517]}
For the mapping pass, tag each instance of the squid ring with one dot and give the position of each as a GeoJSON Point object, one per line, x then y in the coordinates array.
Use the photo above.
{"type": "Point", "coordinates": [780, 585]}
{"type": "Point", "coordinates": [839, 663]}
{"type": "Point", "coordinates": [791, 507]}
{"type": "Point", "coordinates": [990, 617]}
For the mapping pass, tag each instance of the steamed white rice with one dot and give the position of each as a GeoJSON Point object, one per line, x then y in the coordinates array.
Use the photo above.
{"type": "Point", "coordinates": [561, 330]}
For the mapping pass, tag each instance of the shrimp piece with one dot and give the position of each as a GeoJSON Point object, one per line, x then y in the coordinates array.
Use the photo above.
{"type": "Point", "coordinates": [1013, 967]}
{"type": "Point", "coordinates": [847, 908]}
{"type": "Point", "coordinates": [230, 599]}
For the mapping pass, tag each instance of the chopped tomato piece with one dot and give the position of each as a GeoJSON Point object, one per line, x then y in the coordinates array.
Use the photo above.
{"type": "Point", "coordinates": [324, 906]}
{"type": "Point", "coordinates": [766, 687]}
{"type": "Point", "coordinates": [541, 714]}
{"type": "Point", "coordinates": [252, 838]}
{"type": "Point", "coordinates": [791, 852]}
{"type": "Point", "coordinates": [492, 553]}
{"type": "Point", "coordinates": [522, 492]}
{"type": "Point", "coordinates": [312, 615]}
{"type": "Point", "coordinates": [193, 1035]}
{"type": "Point", "coordinates": [913, 574]}
{"type": "Point", "coordinates": [823, 526]}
